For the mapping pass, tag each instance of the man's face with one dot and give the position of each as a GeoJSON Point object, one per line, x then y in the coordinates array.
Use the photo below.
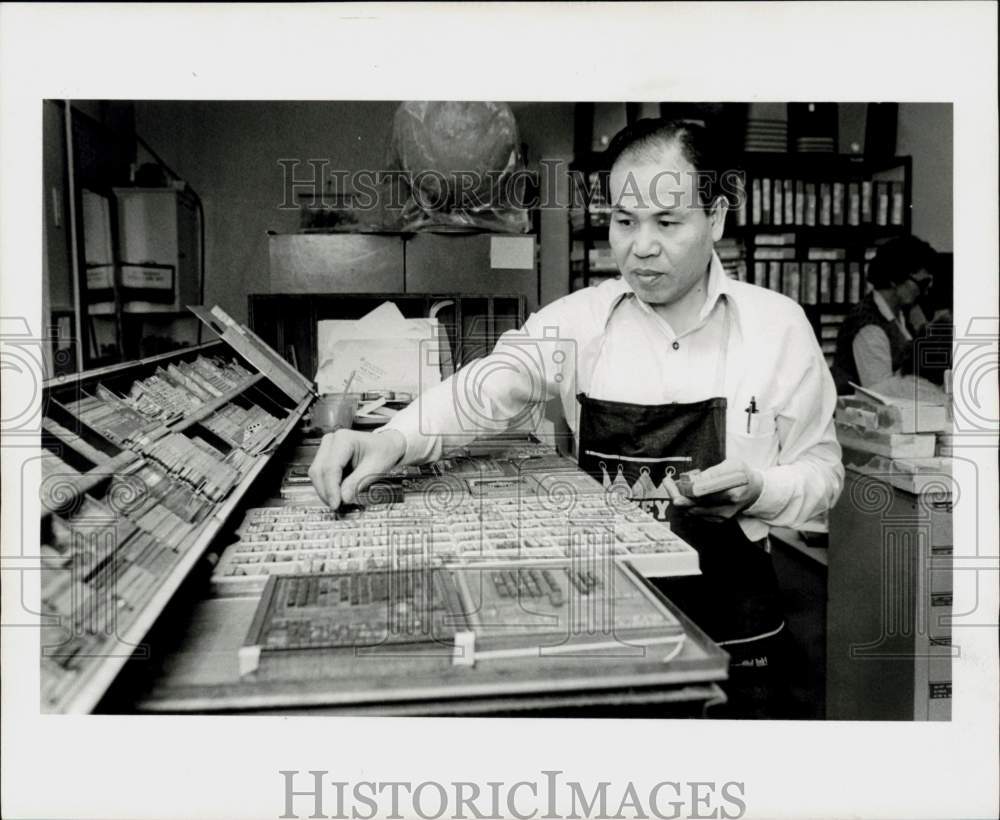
{"type": "Point", "coordinates": [913, 288]}
{"type": "Point", "coordinates": [661, 238]}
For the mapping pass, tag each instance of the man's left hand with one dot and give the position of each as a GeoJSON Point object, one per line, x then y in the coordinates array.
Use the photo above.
{"type": "Point", "coordinates": [727, 503]}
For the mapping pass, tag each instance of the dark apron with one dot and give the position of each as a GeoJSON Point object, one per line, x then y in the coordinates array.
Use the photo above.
{"type": "Point", "coordinates": [630, 448]}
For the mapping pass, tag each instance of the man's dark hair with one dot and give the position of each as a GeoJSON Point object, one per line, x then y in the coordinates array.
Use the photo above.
{"type": "Point", "coordinates": [898, 259]}
{"type": "Point", "coordinates": [644, 138]}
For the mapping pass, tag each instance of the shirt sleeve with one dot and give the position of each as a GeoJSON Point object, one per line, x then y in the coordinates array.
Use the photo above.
{"type": "Point", "coordinates": [506, 390]}
{"type": "Point", "coordinates": [805, 483]}
{"type": "Point", "coordinates": [872, 355]}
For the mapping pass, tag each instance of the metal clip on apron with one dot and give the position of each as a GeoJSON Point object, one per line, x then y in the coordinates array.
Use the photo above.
{"type": "Point", "coordinates": [736, 598]}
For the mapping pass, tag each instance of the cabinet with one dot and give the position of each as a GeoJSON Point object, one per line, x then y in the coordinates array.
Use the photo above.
{"type": "Point", "coordinates": [158, 228]}
{"type": "Point", "coordinates": [423, 263]}
{"type": "Point", "coordinates": [889, 648]}
{"type": "Point", "coordinates": [142, 277]}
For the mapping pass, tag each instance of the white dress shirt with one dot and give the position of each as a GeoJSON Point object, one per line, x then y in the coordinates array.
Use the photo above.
{"type": "Point", "coordinates": [607, 343]}
{"type": "Point", "coordinates": [871, 349]}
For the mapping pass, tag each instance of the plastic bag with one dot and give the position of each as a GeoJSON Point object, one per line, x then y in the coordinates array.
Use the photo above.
{"type": "Point", "coordinates": [459, 164]}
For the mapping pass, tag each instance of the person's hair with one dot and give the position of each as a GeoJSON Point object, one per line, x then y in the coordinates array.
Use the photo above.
{"type": "Point", "coordinates": [898, 259]}
{"type": "Point", "coordinates": [645, 138]}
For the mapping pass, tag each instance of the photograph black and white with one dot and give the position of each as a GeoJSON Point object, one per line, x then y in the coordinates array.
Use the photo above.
{"type": "Point", "coordinates": [401, 421]}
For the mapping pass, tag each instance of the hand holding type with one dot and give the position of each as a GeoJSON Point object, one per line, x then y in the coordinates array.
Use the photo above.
{"type": "Point", "coordinates": [368, 455]}
{"type": "Point", "coordinates": [719, 492]}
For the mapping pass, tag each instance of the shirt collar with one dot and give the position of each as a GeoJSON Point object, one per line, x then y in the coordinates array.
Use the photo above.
{"type": "Point", "coordinates": [883, 307]}
{"type": "Point", "coordinates": [718, 285]}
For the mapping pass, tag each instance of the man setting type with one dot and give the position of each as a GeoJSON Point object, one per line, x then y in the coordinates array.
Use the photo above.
{"type": "Point", "coordinates": [677, 368]}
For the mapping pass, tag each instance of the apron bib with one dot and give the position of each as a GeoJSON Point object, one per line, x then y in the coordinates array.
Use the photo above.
{"type": "Point", "coordinates": [630, 448]}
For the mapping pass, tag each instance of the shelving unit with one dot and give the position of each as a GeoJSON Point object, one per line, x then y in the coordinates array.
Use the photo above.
{"type": "Point", "coordinates": [803, 224]}
{"type": "Point", "coordinates": [816, 250]}
{"type": "Point", "coordinates": [115, 548]}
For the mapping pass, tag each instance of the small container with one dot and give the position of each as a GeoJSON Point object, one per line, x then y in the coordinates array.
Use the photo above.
{"type": "Point", "coordinates": [335, 411]}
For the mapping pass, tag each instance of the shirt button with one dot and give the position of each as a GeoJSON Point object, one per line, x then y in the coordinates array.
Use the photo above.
{"type": "Point", "coordinates": [677, 345]}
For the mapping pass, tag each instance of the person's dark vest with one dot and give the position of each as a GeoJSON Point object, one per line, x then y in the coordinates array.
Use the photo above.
{"type": "Point", "coordinates": [867, 313]}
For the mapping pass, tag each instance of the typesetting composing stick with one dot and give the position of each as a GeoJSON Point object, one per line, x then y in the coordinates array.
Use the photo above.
{"type": "Point", "coordinates": [693, 486]}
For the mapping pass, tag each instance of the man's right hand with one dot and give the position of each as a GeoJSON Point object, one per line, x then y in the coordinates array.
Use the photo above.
{"type": "Point", "coordinates": [349, 461]}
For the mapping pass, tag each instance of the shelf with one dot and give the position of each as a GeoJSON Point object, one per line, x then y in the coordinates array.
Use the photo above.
{"type": "Point", "coordinates": [206, 410]}
{"type": "Point", "coordinates": [87, 692]}
{"type": "Point", "coordinates": [77, 685]}
{"type": "Point", "coordinates": [830, 232]}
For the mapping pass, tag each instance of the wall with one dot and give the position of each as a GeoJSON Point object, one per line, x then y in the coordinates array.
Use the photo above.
{"type": "Point", "coordinates": [925, 133]}
{"type": "Point", "coordinates": [547, 130]}
{"type": "Point", "coordinates": [229, 152]}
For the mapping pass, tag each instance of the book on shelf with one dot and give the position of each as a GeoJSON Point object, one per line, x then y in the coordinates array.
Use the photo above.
{"type": "Point", "coordinates": [774, 276]}
{"type": "Point", "coordinates": [853, 204]}
{"type": "Point", "coordinates": [839, 282]}
{"type": "Point", "coordinates": [825, 275]}
{"type": "Point", "coordinates": [866, 202]}
{"type": "Point", "coordinates": [790, 280]}
{"type": "Point", "coordinates": [789, 202]}
{"type": "Point", "coordinates": [800, 202]}
{"type": "Point", "coordinates": [778, 211]}
{"type": "Point", "coordinates": [838, 203]}
{"type": "Point", "coordinates": [825, 204]}
{"type": "Point", "coordinates": [741, 200]}
{"type": "Point", "coordinates": [760, 274]}
{"type": "Point", "coordinates": [896, 206]}
{"type": "Point", "coordinates": [774, 239]}
{"type": "Point", "coordinates": [810, 283]}
{"type": "Point", "coordinates": [882, 203]}
{"type": "Point", "coordinates": [810, 203]}
{"type": "Point", "coordinates": [765, 200]}
{"type": "Point", "coordinates": [854, 283]}
{"type": "Point", "coordinates": [774, 253]}
{"type": "Point", "coordinates": [819, 254]}
{"type": "Point", "coordinates": [756, 196]}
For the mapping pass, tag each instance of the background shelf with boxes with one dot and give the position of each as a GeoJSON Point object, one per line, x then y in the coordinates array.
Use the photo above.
{"type": "Point", "coordinates": [804, 225]}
